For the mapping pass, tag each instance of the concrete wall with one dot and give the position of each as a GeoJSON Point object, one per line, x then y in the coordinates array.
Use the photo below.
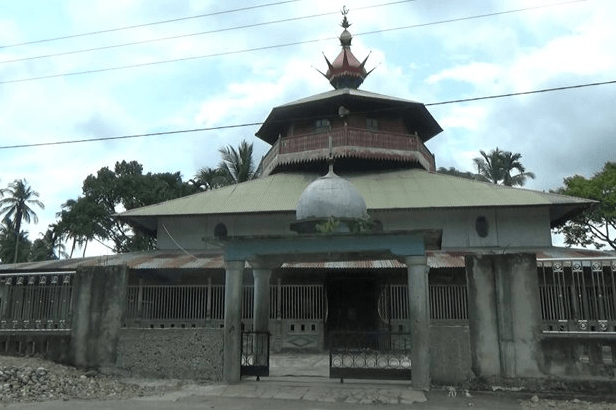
{"type": "Point", "coordinates": [100, 296]}
{"type": "Point", "coordinates": [507, 227]}
{"type": "Point", "coordinates": [450, 354]}
{"type": "Point", "coordinates": [172, 353]}
{"type": "Point", "coordinates": [504, 316]}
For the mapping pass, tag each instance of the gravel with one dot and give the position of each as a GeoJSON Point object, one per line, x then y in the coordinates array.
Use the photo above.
{"type": "Point", "coordinates": [537, 403]}
{"type": "Point", "coordinates": [28, 379]}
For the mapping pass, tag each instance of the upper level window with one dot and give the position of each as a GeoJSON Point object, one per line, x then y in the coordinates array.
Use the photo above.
{"type": "Point", "coordinates": [372, 124]}
{"type": "Point", "coordinates": [322, 125]}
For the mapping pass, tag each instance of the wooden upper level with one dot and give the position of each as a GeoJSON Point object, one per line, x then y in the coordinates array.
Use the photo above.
{"type": "Point", "coordinates": [367, 131]}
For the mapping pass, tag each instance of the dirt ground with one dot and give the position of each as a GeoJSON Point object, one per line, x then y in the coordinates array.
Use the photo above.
{"type": "Point", "coordinates": [33, 383]}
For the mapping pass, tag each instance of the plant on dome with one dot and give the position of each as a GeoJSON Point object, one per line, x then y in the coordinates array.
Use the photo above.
{"type": "Point", "coordinates": [333, 224]}
{"type": "Point", "coordinates": [329, 226]}
{"type": "Point", "coordinates": [360, 225]}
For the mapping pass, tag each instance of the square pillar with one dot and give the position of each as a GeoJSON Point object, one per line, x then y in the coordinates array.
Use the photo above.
{"type": "Point", "coordinates": [100, 298]}
{"type": "Point", "coordinates": [262, 299]}
{"type": "Point", "coordinates": [261, 316]}
{"type": "Point", "coordinates": [419, 317]}
{"type": "Point", "coordinates": [232, 351]}
{"type": "Point", "coordinates": [504, 315]}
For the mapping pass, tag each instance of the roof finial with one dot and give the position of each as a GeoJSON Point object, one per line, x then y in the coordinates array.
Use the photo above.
{"type": "Point", "coordinates": [346, 71]}
{"type": "Point", "coordinates": [345, 23]}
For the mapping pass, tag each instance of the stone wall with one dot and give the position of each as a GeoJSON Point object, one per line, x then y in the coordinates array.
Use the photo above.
{"type": "Point", "coordinates": [48, 345]}
{"type": "Point", "coordinates": [580, 357]}
{"type": "Point", "coordinates": [172, 353]}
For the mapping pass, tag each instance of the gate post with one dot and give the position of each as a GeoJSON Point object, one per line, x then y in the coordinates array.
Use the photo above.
{"type": "Point", "coordinates": [419, 316]}
{"type": "Point", "coordinates": [234, 274]}
{"type": "Point", "coordinates": [262, 299]}
{"type": "Point", "coordinates": [261, 313]}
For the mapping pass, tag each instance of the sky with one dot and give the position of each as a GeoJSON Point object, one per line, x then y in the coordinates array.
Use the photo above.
{"type": "Point", "coordinates": [218, 72]}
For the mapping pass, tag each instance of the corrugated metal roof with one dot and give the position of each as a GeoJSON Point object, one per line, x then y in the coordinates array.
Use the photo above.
{"type": "Point", "coordinates": [214, 260]}
{"type": "Point", "coordinates": [400, 189]}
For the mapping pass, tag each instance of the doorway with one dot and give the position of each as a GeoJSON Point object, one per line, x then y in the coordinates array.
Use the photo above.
{"type": "Point", "coordinates": [351, 304]}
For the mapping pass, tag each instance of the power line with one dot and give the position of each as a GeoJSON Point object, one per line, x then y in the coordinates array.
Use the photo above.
{"type": "Point", "coordinates": [46, 40]}
{"type": "Point", "coordinates": [42, 144]}
{"type": "Point", "coordinates": [498, 13]}
{"type": "Point", "coordinates": [198, 33]}
{"type": "Point", "coordinates": [223, 53]}
{"type": "Point", "coordinates": [545, 90]}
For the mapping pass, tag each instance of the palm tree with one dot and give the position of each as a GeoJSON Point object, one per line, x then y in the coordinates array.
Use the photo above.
{"type": "Point", "coordinates": [208, 178]}
{"type": "Point", "coordinates": [497, 166]}
{"type": "Point", "coordinates": [238, 165]}
{"type": "Point", "coordinates": [17, 206]}
{"type": "Point", "coordinates": [7, 243]}
{"type": "Point", "coordinates": [512, 162]}
{"type": "Point", "coordinates": [489, 165]}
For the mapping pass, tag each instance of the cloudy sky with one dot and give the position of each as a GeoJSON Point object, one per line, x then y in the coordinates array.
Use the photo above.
{"type": "Point", "coordinates": [226, 68]}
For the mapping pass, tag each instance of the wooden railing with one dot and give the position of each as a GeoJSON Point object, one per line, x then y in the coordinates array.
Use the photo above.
{"type": "Point", "coordinates": [342, 138]}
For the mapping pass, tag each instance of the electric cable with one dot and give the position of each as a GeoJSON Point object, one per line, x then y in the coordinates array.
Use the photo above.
{"type": "Point", "coordinates": [42, 144]}
{"type": "Point", "coordinates": [254, 49]}
{"type": "Point", "coordinates": [198, 33]}
{"type": "Point", "coordinates": [91, 33]}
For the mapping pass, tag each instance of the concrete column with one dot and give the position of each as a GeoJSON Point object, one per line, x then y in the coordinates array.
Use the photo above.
{"type": "Point", "coordinates": [234, 272]}
{"type": "Point", "coordinates": [504, 315]}
{"type": "Point", "coordinates": [482, 316]}
{"type": "Point", "coordinates": [262, 299]}
{"type": "Point", "coordinates": [419, 316]}
{"type": "Point", "coordinates": [261, 316]}
{"type": "Point", "coordinates": [97, 315]}
{"type": "Point", "coordinates": [526, 326]}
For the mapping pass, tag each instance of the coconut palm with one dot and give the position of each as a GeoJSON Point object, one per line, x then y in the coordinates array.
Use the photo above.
{"type": "Point", "coordinates": [497, 166]}
{"type": "Point", "coordinates": [7, 243]}
{"type": "Point", "coordinates": [208, 178]}
{"type": "Point", "coordinates": [15, 205]}
{"type": "Point", "coordinates": [510, 162]}
{"type": "Point", "coordinates": [238, 165]}
{"type": "Point", "coordinates": [489, 166]}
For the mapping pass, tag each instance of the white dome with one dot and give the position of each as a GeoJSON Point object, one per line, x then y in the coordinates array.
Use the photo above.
{"type": "Point", "coordinates": [331, 196]}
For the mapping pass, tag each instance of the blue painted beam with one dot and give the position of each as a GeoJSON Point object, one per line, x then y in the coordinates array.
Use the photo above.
{"type": "Point", "coordinates": [408, 244]}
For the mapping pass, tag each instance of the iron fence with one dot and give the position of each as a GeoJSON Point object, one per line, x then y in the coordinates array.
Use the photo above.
{"type": "Point", "coordinates": [36, 302]}
{"type": "Point", "coordinates": [578, 295]}
{"type": "Point", "coordinates": [255, 354]}
{"type": "Point", "coordinates": [372, 355]}
{"type": "Point", "coordinates": [447, 302]}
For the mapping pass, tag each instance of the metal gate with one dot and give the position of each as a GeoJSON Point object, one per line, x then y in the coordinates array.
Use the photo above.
{"type": "Point", "coordinates": [370, 355]}
{"type": "Point", "coordinates": [255, 354]}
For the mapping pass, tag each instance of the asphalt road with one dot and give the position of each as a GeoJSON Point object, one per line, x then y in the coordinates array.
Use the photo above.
{"type": "Point", "coordinates": [436, 401]}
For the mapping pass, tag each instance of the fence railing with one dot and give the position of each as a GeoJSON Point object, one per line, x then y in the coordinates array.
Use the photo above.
{"type": "Point", "coordinates": [578, 295]}
{"type": "Point", "coordinates": [204, 305]}
{"type": "Point", "coordinates": [447, 302]}
{"type": "Point", "coordinates": [36, 302]}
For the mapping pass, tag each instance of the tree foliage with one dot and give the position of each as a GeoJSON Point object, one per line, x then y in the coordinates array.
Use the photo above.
{"type": "Point", "coordinates": [8, 243]}
{"type": "Point", "coordinates": [208, 178]}
{"type": "Point", "coordinates": [91, 216]}
{"type": "Point", "coordinates": [462, 174]}
{"type": "Point", "coordinates": [237, 164]}
{"type": "Point", "coordinates": [15, 204]}
{"type": "Point", "coordinates": [498, 166]}
{"type": "Point", "coordinates": [597, 225]}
